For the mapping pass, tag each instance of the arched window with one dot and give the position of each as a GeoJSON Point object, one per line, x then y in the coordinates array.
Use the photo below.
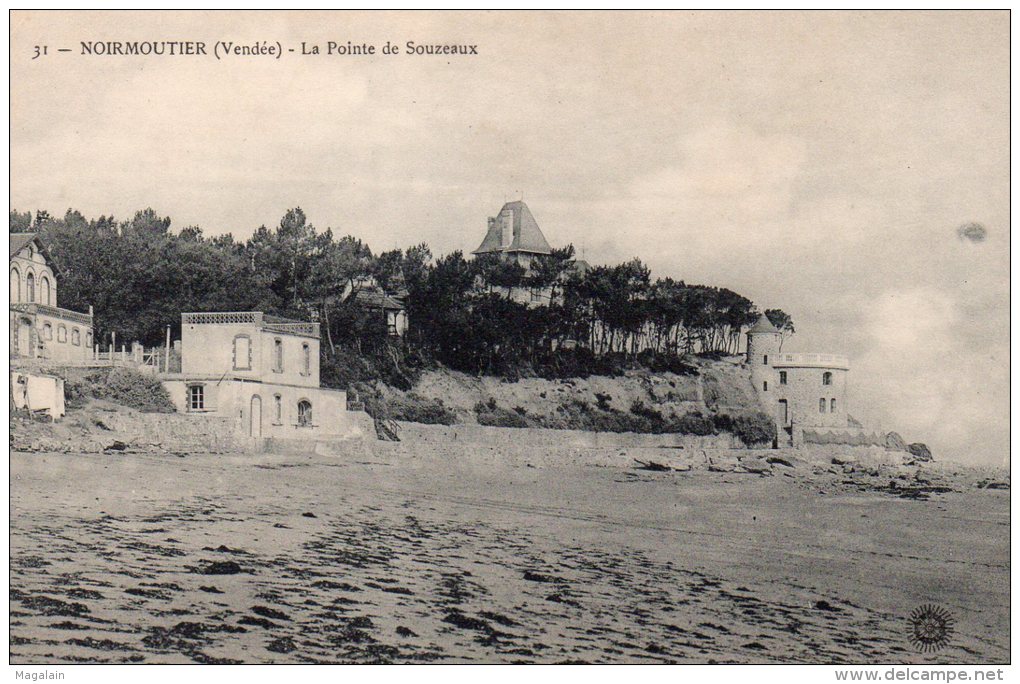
{"type": "Point", "coordinates": [61, 333]}
{"type": "Point", "coordinates": [30, 286]}
{"type": "Point", "coordinates": [826, 378]}
{"type": "Point", "coordinates": [75, 337]}
{"type": "Point", "coordinates": [765, 386]}
{"type": "Point", "coordinates": [832, 406]}
{"type": "Point", "coordinates": [278, 355]}
{"type": "Point", "coordinates": [306, 359]}
{"type": "Point", "coordinates": [304, 413]}
{"type": "Point", "coordinates": [88, 339]}
{"type": "Point", "coordinates": [15, 286]}
{"type": "Point", "coordinates": [821, 406]}
{"type": "Point", "coordinates": [44, 291]}
{"type": "Point", "coordinates": [196, 397]}
{"type": "Point", "coordinates": [782, 377]}
{"type": "Point", "coordinates": [47, 331]}
{"type": "Point", "coordinates": [242, 352]}
{"type": "Point", "coordinates": [277, 409]}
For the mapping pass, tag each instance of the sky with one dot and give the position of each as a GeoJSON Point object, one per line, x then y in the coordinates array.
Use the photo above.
{"type": "Point", "coordinates": [850, 168]}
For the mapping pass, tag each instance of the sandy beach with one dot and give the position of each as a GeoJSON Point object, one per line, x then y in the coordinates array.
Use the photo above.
{"type": "Point", "coordinates": [261, 558]}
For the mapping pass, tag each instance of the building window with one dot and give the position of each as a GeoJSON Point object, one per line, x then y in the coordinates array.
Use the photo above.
{"type": "Point", "coordinates": [30, 286]}
{"type": "Point", "coordinates": [88, 339]}
{"type": "Point", "coordinates": [47, 331]}
{"type": "Point", "coordinates": [306, 359]}
{"type": "Point", "coordinates": [242, 352]}
{"type": "Point", "coordinates": [61, 333]}
{"type": "Point", "coordinates": [15, 286]}
{"type": "Point", "coordinates": [826, 378]}
{"type": "Point", "coordinates": [782, 377]}
{"type": "Point", "coordinates": [304, 413]}
{"type": "Point", "coordinates": [832, 406]}
{"type": "Point", "coordinates": [765, 359]}
{"type": "Point", "coordinates": [31, 251]}
{"type": "Point", "coordinates": [75, 337]}
{"type": "Point", "coordinates": [765, 386]}
{"type": "Point", "coordinates": [44, 291]}
{"type": "Point", "coordinates": [278, 355]}
{"type": "Point", "coordinates": [277, 409]}
{"type": "Point", "coordinates": [821, 406]}
{"type": "Point", "coordinates": [196, 397]}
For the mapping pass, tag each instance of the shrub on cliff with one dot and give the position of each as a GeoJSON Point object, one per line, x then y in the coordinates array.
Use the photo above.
{"type": "Point", "coordinates": [76, 393]}
{"type": "Point", "coordinates": [754, 428]}
{"type": "Point", "coordinates": [694, 424]}
{"type": "Point", "coordinates": [496, 416]}
{"type": "Point", "coordinates": [414, 408]}
{"type": "Point", "coordinates": [124, 386]}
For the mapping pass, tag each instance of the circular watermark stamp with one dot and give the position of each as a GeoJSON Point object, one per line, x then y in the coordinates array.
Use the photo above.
{"type": "Point", "coordinates": [931, 627]}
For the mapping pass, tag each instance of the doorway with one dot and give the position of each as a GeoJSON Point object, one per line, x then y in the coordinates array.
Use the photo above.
{"type": "Point", "coordinates": [24, 337]}
{"type": "Point", "coordinates": [255, 429]}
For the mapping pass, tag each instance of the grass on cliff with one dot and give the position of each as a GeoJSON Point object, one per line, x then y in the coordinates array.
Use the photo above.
{"type": "Point", "coordinates": [752, 428]}
{"type": "Point", "coordinates": [124, 386]}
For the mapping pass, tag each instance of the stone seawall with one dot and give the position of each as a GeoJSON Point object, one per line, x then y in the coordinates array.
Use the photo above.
{"type": "Point", "coordinates": [178, 432]}
{"type": "Point", "coordinates": [485, 447]}
{"type": "Point", "coordinates": [483, 435]}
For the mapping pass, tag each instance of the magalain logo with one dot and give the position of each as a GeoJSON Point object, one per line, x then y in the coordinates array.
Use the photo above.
{"type": "Point", "coordinates": [931, 627]}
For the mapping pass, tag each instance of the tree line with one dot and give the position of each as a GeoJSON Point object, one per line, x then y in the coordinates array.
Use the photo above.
{"type": "Point", "coordinates": [139, 275]}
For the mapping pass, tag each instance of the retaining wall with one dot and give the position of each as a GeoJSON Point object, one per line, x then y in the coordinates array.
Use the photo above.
{"type": "Point", "coordinates": [175, 431]}
{"type": "Point", "coordinates": [484, 435]}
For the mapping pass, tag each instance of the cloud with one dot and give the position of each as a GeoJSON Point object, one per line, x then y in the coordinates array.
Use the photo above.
{"type": "Point", "coordinates": [724, 175]}
{"type": "Point", "coordinates": [922, 374]}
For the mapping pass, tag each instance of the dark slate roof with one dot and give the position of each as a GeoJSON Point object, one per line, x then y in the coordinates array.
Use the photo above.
{"type": "Point", "coordinates": [763, 325]}
{"type": "Point", "coordinates": [377, 300]}
{"type": "Point", "coordinates": [492, 241]}
{"type": "Point", "coordinates": [528, 236]}
{"type": "Point", "coordinates": [19, 241]}
{"type": "Point", "coordinates": [578, 267]}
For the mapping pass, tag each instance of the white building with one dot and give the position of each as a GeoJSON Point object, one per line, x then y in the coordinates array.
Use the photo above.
{"type": "Point", "coordinates": [261, 370]}
{"type": "Point", "coordinates": [39, 328]}
{"type": "Point", "coordinates": [802, 391]}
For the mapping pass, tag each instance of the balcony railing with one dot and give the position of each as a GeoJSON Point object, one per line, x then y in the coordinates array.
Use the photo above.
{"type": "Point", "coordinates": [287, 326]}
{"type": "Point", "coordinates": [813, 360]}
{"type": "Point", "coordinates": [222, 318]}
{"type": "Point", "coordinates": [310, 329]}
{"type": "Point", "coordinates": [54, 311]}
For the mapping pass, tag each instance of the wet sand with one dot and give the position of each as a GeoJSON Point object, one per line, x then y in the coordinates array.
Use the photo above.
{"type": "Point", "coordinates": [306, 558]}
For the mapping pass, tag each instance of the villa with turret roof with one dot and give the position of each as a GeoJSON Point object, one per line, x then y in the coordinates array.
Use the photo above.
{"type": "Point", "coordinates": [515, 236]}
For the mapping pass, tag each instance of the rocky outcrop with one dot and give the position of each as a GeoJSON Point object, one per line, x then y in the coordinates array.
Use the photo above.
{"type": "Point", "coordinates": [895, 442]}
{"type": "Point", "coordinates": [920, 452]}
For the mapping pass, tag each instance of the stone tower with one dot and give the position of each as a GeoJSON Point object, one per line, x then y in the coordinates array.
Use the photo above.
{"type": "Point", "coordinates": [763, 344]}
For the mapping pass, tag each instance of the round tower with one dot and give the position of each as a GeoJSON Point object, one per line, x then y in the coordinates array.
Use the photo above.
{"type": "Point", "coordinates": [763, 343]}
